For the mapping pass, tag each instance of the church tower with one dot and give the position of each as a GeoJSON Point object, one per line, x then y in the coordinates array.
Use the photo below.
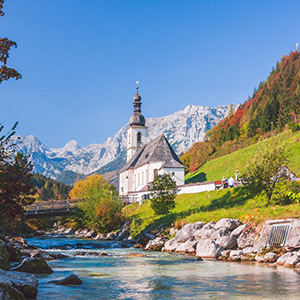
{"type": "Point", "coordinates": [137, 131]}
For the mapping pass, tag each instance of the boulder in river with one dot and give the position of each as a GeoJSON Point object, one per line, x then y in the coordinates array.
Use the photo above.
{"type": "Point", "coordinates": [8, 292]}
{"type": "Point", "coordinates": [34, 266]}
{"type": "Point", "coordinates": [156, 244]}
{"type": "Point", "coordinates": [70, 280]}
{"type": "Point", "coordinates": [187, 232]}
{"type": "Point", "coordinates": [25, 283]}
{"type": "Point", "coordinates": [208, 248]}
{"type": "Point", "coordinates": [170, 245]}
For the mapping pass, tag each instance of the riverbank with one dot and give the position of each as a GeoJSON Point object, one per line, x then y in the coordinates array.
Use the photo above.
{"type": "Point", "coordinates": [227, 240]}
{"type": "Point", "coordinates": [275, 242]}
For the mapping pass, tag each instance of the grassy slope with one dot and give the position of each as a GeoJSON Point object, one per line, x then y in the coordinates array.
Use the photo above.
{"type": "Point", "coordinates": [212, 206]}
{"type": "Point", "coordinates": [226, 165]}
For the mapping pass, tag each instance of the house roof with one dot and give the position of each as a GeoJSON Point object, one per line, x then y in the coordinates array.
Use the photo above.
{"type": "Point", "coordinates": [157, 150]}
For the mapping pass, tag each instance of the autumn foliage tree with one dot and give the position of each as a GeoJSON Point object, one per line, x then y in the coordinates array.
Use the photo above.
{"type": "Point", "coordinates": [101, 208]}
{"type": "Point", "coordinates": [5, 46]}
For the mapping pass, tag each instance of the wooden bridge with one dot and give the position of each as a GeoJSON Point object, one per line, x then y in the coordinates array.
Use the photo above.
{"type": "Point", "coordinates": [51, 208]}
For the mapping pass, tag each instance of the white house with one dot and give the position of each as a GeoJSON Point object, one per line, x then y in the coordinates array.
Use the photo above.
{"type": "Point", "coordinates": [146, 160]}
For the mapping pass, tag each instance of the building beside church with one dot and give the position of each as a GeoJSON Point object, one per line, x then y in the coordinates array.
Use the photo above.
{"type": "Point", "coordinates": [146, 159]}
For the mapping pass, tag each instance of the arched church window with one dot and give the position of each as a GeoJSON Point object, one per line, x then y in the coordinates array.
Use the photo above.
{"type": "Point", "coordinates": [155, 173]}
{"type": "Point", "coordinates": [139, 139]}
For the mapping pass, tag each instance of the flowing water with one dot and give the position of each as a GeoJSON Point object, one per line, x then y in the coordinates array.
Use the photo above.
{"type": "Point", "coordinates": [158, 275]}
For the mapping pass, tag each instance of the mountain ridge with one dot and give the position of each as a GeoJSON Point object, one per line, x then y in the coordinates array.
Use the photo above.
{"type": "Point", "coordinates": [182, 128]}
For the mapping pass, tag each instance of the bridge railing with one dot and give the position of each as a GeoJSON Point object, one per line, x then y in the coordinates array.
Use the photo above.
{"type": "Point", "coordinates": [52, 206]}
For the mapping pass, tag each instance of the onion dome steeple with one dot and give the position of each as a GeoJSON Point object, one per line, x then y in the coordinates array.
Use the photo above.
{"type": "Point", "coordinates": [137, 118]}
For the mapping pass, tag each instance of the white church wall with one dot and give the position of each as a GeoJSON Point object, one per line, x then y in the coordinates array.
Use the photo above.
{"type": "Point", "coordinates": [197, 188]}
{"type": "Point", "coordinates": [144, 174]}
{"type": "Point", "coordinates": [177, 174]}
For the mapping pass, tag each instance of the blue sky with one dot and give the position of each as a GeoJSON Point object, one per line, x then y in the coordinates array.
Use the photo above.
{"type": "Point", "coordinates": [80, 60]}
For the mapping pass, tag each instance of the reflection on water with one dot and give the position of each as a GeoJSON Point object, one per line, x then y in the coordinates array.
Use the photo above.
{"type": "Point", "coordinates": [160, 276]}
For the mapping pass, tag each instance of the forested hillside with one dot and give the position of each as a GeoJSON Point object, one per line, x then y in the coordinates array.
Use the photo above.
{"type": "Point", "coordinates": [274, 105]}
{"type": "Point", "coordinates": [49, 189]}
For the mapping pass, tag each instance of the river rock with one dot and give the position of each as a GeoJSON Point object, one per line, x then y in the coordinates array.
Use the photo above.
{"type": "Point", "coordinates": [270, 257]}
{"type": "Point", "coordinates": [8, 292]}
{"type": "Point", "coordinates": [34, 266]}
{"type": "Point", "coordinates": [145, 237]}
{"type": "Point", "coordinates": [187, 247]}
{"type": "Point", "coordinates": [227, 223]}
{"type": "Point", "coordinates": [155, 245]}
{"type": "Point", "coordinates": [187, 232]}
{"type": "Point", "coordinates": [37, 253]}
{"type": "Point", "coordinates": [282, 259]}
{"type": "Point", "coordinates": [236, 232]}
{"type": "Point", "coordinates": [124, 232]}
{"type": "Point", "coordinates": [208, 248]}
{"type": "Point", "coordinates": [235, 255]}
{"type": "Point", "coordinates": [223, 238]}
{"type": "Point", "coordinates": [293, 238]}
{"type": "Point", "coordinates": [173, 231]}
{"type": "Point", "coordinates": [90, 234]}
{"type": "Point", "coordinates": [171, 245]}
{"type": "Point", "coordinates": [111, 235]}
{"type": "Point", "coordinates": [25, 283]}
{"type": "Point", "coordinates": [99, 237]}
{"type": "Point", "coordinates": [70, 280]}
{"type": "Point", "coordinates": [207, 230]}
{"type": "Point", "coordinates": [259, 257]}
{"type": "Point", "coordinates": [247, 237]}
{"type": "Point", "coordinates": [292, 260]}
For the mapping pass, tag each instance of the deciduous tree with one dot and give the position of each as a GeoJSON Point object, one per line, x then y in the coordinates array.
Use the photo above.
{"type": "Point", "coordinates": [163, 193]}
{"type": "Point", "coordinates": [263, 168]}
{"type": "Point", "coordinates": [102, 208]}
{"type": "Point", "coordinates": [5, 46]}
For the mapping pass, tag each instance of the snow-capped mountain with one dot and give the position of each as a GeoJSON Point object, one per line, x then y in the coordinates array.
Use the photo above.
{"type": "Point", "coordinates": [182, 128]}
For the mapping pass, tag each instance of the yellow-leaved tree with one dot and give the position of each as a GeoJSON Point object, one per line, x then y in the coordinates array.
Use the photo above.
{"type": "Point", "coordinates": [101, 208]}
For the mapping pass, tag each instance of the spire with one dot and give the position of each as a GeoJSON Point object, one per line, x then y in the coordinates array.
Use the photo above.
{"type": "Point", "coordinates": [137, 118]}
{"type": "Point", "coordinates": [137, 100]}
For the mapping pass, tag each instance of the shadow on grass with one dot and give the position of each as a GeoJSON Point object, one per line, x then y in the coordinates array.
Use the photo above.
{"type": "Point", "coordinates": [201, 177]}
{"type": "Point", "coordinates": [232, 198]}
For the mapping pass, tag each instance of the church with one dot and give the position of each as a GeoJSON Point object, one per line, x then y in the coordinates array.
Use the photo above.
{"type": "Point", "coordinates": [146, 159]}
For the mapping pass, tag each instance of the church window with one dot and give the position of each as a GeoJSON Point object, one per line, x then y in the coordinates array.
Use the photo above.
{"type": "Point", "coordinates": [135, 180]}
{"type": "Point", "coordinates": [173, 173]}
{"type": "Point", "coordinates": [139, 139]}
{"type": "Point", "coordinates": [147, 177]}
{"type": "Point", "coordinates": [142, 178]}
{"type": "Point", "coordinates": [139, 179]}
{"type": "Point", "coordinates": [129, 139]}
{"type": "Point", "coordinates": [155, 173]}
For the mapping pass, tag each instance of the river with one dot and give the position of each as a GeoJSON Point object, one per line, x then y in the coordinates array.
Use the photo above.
{"type": "Point", "coordinates": [157, 275]}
